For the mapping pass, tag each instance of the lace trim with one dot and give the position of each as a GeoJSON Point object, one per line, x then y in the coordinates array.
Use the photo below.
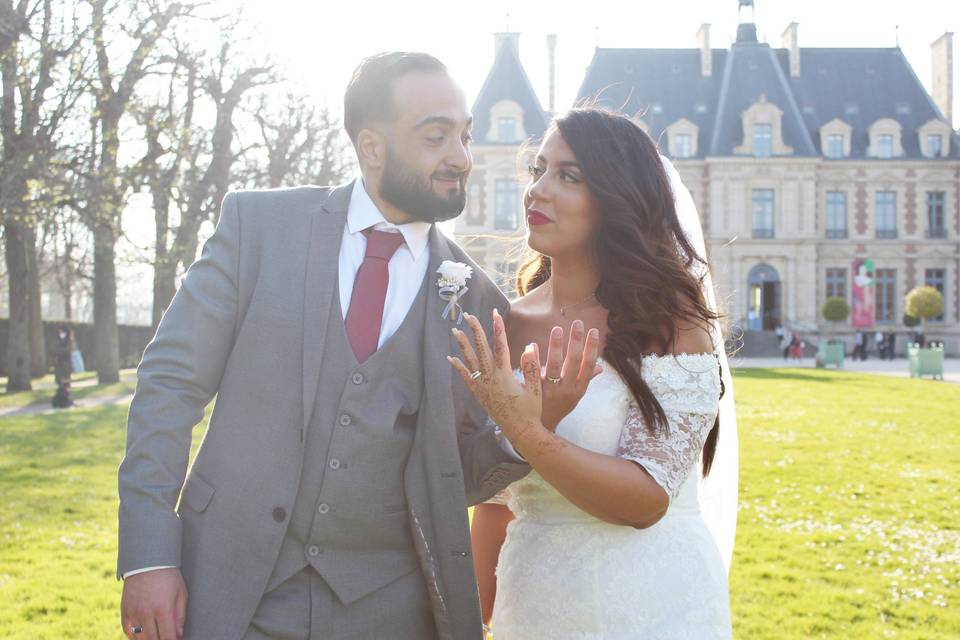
{"type": "Point", "coordinates": [688, 390]}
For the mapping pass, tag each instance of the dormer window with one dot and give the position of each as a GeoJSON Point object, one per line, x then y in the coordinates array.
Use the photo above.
{"type": "Point", "coordinates": [835, 146]}
{"type": "Point", "coordinates": [934, 145]}
{"type": "Point", "coordinates": [682, 139]}
{"type": "Point", "coordinates": [762, 140]}
{"type": "Point", "coordinates": [885, 139]}
{"type": "Point", "coordinates": [934, 138]}
{"type": "Point", "coordinates": [506, 129]}
{"type": "Point", "coordinates": [682, 147]}
{"type": "Point", "coordinates": [885, 146]}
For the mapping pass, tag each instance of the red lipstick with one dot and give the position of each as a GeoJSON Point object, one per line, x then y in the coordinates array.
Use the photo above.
{"type": "Point", "coordinates": [535, 218]}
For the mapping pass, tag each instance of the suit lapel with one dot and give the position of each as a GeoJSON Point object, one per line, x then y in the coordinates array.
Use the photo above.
{"type": "Point", "coordinates": [326, 232]}
{"type": "Point", "coordinates": [438, 339]}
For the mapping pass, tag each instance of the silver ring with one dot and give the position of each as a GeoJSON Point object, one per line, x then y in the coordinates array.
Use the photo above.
{"type": "Point", "coordinates": [137, 629]}
{"type": "Point", "coordinates": [475, 375]}
{"type": "Point", "coordinates": [553, 380]}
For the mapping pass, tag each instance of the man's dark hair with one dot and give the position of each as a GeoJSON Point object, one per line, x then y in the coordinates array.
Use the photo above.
{"type": "Point", "coordinates": [369, 95]}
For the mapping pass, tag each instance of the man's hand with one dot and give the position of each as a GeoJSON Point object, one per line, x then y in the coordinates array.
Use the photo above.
{"type": "Point", "coordinates": [156, 601]}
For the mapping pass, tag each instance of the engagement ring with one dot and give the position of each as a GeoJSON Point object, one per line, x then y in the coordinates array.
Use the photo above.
{"type": "Point", "coordinates": [553, 380]}
{"type": "Point", "coordinates": [137, 629]}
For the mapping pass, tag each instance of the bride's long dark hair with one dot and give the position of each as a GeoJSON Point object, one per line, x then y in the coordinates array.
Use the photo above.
{"type": "Point", "coordinates": [646, 263]}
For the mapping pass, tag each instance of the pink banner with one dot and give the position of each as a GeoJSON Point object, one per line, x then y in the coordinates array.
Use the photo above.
{"type": "Point", "coordinates": [863, 293]}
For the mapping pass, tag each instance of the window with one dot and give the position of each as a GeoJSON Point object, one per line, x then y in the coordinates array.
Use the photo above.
{"type": "Point", "coordinates": [763, 213]}
{"type": "Point", "coordinates": [885, 146]}
{"type": "Point", "coordinates": [886, 290]}
{"type": "Point", "coordinates": [886, 221]}
{"type": "Point", "coordinates": [937, 278]}
{"type": "Point", "coordinates": [506, 130]}
{"type": "Point", "coordinates": [837, 283]}
{"type": "Point", "coordinates": [762, 140]}
{"type": "Point", "coordinates": [507, 207]}
{"type": "Point", "coordinates": [936, 220]}
{"type": "Point", "coordinates": [934, 145]}
{"type": "Point", "coordinates": [681, 146]}
{"type": "Point", "coordinates": [836, 214]}
{"type": "Point", "coordinates": [834, 146]}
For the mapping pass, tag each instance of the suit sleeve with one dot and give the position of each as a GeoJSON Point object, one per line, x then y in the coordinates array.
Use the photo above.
{"type": "Point", "coordinates": [179, 374]}
{"type": "Point", "coordinates": [488, 466]}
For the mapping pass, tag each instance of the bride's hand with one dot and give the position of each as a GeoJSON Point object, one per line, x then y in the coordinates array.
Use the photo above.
{"type": "Point", "coordinates": [513, 405]}
{"type": "Point", "coordinates": [566, 378]}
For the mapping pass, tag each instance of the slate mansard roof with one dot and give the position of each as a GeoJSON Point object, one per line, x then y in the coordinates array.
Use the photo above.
{"type": "Point", "coordinates": [858, 86]}
{"type": "Point", "coordinates": [507, 81]}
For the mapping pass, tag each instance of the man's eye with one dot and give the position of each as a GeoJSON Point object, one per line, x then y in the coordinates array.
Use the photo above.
{"type": "Point", "coordinates": [436, 139]}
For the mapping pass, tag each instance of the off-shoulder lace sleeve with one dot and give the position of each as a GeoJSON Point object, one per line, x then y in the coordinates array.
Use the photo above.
{"type": "Point", "coordinates": [688, 389]}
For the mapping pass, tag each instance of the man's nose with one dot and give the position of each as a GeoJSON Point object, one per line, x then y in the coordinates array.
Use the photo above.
{"type": "Point", "coordinates": [459, 157]}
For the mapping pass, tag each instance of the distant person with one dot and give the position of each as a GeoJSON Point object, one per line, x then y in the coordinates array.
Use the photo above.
{"type": "Point", "coordinates": [62, 369]}
{"type": "Point", "coordinates": [786, 339]}
{"type": "Point", "coordinates": [858, 348]}
{"type": "Point", "coordinates": [891, 345]}
{"type": "Point", "coordinates": [76, 357]}
{"type": "Point", "coordinates": [881, 344]}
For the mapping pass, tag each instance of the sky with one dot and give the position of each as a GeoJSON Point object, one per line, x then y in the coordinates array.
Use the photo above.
{"type": "Point", "coordinates": [319, 43]}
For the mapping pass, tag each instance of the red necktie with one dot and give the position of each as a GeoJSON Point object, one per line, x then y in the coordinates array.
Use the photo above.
{"type": "Point", "coordinates": [370, 292]}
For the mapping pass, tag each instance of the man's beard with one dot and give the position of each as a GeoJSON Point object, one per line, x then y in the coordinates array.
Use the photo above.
{"type": "Point", "coordinates": [404, 189]}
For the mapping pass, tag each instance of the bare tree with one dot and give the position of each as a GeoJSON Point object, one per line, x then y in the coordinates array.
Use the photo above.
{"type": "Point", "coordinates": [34, 45]}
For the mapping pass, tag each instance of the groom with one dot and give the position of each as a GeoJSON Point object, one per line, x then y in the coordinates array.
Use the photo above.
{"type": "Point", "coordinates": [328, 497]}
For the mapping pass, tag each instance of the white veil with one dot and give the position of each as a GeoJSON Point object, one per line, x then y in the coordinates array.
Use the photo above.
{"type": "Point", "coordinates": [718, 492]}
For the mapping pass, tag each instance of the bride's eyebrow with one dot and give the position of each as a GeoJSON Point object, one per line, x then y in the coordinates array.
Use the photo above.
{"type": "Point", "coordinates": [562, 163]}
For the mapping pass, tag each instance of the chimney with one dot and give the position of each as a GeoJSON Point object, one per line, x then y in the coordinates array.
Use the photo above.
{"type": "Point", "coordinates": [512, 38]}
{"type": "Point", "coordinates": [552, 53]}
{"type": "Point", "coordinates": [791, 44]}
{"type": "Point", "coordinates": [706, 54]}
{"type": "Point", "coordinates": [942, 50]}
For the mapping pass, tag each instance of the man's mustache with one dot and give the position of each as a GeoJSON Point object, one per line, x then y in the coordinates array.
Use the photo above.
{"type": "Point", "coordinates": [450, 175]}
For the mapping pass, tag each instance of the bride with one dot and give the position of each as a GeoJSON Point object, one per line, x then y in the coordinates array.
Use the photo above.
{"type": "Point", "coordinates": [606, 538]}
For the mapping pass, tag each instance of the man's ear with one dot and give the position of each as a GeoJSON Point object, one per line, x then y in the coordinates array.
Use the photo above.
{"type": "Point", "coordinates": [371, 149]}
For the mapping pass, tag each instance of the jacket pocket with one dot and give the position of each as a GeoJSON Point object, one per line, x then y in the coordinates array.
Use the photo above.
{"type": "Point", "coordinates": [197, 493]}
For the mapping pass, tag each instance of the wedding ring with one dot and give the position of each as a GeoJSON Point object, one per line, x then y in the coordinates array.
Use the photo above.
{"type": "Point", "coordinates": [137, 629]}
{"type": "Point", "coordinates": [475, 375]}
{"type": "Point", "coordinates": [553, 380]}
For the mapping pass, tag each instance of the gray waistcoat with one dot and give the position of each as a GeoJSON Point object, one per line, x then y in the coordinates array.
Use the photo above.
{"type": "Point", "coordinates": [350, 519]}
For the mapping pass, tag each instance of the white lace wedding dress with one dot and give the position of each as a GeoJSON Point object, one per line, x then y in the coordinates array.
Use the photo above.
{"type": "Point", "coordinates": [565, 575]}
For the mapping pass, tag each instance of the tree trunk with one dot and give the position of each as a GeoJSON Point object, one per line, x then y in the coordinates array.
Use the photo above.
{"type": "Point", "coordinates": [18, 338]}
{"type": "Point", "coordinates": [106, 338]}
{"type": "Point", "coordinates": [38, 347]}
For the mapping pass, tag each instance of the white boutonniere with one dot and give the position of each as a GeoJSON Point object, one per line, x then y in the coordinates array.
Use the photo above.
{"type": "Point", "coordinates": [452, 285]}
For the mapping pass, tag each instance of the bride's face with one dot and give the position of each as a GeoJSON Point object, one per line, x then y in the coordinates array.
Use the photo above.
{"type": "Point", "coordinates": [562, 214]}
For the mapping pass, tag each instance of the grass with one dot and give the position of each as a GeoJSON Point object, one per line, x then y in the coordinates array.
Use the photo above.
{"type": "Point", "coordinates": [81, 387]}
{"type": "Point", "coordinates": [850, 486]}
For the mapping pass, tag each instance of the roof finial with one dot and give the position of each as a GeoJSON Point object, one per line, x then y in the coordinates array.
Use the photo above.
{"type": "Point", "coordinates": [596, 30]}
{"type": "Point", "coordinates": [508, 22]}
{"type": "Point", "coordinates": [896, 31]}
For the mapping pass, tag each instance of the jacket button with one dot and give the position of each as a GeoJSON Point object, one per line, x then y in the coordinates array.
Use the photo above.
{"type": "Point", "coordinates": [358, 378]}
{"type": "Point", "coordinates": [279, 514]}
{"type": "Point", "coordinates": [313, 550]}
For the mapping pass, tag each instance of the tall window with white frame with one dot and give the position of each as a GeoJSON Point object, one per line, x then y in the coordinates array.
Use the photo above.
{"type": "Point", "coordinates": [836, 227]}
{"type": "Point", "coordinates": [934, 145]}
{"type": "Point", "coordinates": [506, 205]}
{"type": "Point", "coordinates": [886, 215]}
{"type": "Point", "coordinates": [834, 145]}
{"type": "Point", "coordinates": [937, 278]}
{"type": "Point", "coordinates": [885, 309]}
{"type": "Point", "coordinates": [682, 147]}
{"type": "Point", "coordinates": [762, 213]}
{"type": "Point", "coordinates": [506, 130]}
{"type": "Point", "coordinates": [885, 145]}
{"type": "Point", "coordinates": [936, 218]}
{"type": "Point", "coordinates": [837, 283]}
{"type": "Point", "coordinates": [762, 140]}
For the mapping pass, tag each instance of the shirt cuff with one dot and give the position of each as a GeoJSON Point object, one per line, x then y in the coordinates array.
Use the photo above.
{"type": "Point", "coordinates": [145, 569]}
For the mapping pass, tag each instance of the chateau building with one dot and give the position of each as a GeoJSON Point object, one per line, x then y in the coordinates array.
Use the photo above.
{"type": "Point", "coordinates": [817, 172]}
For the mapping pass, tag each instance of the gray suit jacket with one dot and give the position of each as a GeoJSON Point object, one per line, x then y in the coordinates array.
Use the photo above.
{"type": "Point", "coordinates": [248, 324]}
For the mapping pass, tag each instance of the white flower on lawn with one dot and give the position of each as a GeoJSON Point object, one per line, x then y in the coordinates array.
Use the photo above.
{"type": "Point", "coordinates": [453, 285]}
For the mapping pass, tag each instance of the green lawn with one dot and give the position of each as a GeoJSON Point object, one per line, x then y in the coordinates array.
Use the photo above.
{"type": "Point", "coordinates": [848, 524]}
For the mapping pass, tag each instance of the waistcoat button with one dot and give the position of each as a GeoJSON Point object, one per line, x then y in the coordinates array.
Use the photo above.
{"type": "Point", "coordinates": [358, 378]}
{"type": "Point", "coordinates": [279, 514]}
{"type": "Point", "coordinates": [345, 420]}
{"type": "Point", "coordinates": [313, 550]}
{"type": "Point", "coordinates": [323, 508]}
{"type": "Point", "coordinates": [334, 464]}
